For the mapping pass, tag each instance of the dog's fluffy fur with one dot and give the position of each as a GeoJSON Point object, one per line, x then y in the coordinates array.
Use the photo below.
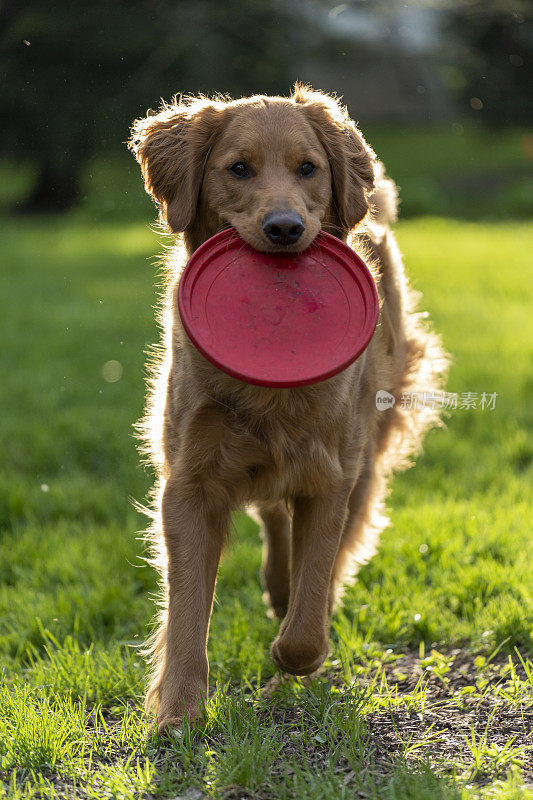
{"type": "Point", "coordinates": [313, 461]}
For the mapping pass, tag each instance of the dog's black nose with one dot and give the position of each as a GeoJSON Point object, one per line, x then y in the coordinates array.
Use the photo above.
{"type": "Point", "coordinates": [283, 227]}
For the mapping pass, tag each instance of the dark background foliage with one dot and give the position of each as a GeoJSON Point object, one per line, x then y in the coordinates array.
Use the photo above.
{"type": "Point", "coordinates": [75, 74]}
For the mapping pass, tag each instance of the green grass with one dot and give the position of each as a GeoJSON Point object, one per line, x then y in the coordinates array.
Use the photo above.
{"type": "Point", "coordinates": [461, 171]}
{"type": "Point", "coordinates": [452, 582]}
{"type": "Point", "coordinates": [456, 170]}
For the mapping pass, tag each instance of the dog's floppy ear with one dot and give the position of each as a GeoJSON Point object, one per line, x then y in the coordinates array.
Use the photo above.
{"type": "Point", "coordinates": [172, 148]}
{"type": "Point", "coordinates": [351, 159]}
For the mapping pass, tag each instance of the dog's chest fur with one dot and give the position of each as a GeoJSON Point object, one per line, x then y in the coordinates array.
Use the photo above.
{"type": "Point", "coordinates": [275, 443]}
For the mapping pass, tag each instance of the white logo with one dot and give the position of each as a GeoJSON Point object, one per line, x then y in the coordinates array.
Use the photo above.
{"type": "Point", "coordinates": [384, 400]}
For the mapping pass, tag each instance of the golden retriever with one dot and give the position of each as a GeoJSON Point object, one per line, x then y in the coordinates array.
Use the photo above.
{"type": "Point", "coordinates": [313, 461]}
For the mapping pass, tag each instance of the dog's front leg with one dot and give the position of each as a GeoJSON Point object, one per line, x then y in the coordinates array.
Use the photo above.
{"type": "Point", "coordinates": [303, 640]}
{"type": "Point", "coordinates": [194, 530]}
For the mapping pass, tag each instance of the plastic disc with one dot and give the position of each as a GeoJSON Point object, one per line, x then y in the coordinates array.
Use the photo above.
{"type": "Point", "coordinates": [279, 320]}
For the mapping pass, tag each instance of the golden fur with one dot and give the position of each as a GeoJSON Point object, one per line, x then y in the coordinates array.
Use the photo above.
{"type": "Point", "coordinates": [313, 461]}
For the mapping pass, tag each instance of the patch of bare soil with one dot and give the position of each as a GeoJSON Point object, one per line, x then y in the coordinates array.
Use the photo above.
{"type": "Point", "coordinates": [476, 718]}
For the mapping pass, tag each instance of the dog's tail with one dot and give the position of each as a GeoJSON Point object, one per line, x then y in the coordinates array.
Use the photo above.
{"type": "Point", "coordinates": [383, 200]}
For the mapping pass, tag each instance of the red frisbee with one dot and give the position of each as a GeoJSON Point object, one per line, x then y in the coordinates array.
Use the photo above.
{"type": "Point", "coordinates": [279, 320]}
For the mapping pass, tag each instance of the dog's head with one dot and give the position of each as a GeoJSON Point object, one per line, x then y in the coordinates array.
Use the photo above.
{"type": "Point", "coordinates": [277, 169]}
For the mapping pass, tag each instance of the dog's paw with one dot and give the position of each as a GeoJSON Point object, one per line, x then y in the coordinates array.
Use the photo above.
{"type": "Point", "coordinates": [169, 726]}
{"type": "Point", "coordinates": [298, 658]}
{"type": "Point", "coordinates": [173, 724]}
{"type": "Point", "coordinates": [180, 707]}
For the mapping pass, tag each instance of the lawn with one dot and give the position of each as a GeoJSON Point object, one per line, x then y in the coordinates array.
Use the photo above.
{"type": "Point", "coordinates": [457, 169]}
{"type": "Point", "coordinates": [428, 692]}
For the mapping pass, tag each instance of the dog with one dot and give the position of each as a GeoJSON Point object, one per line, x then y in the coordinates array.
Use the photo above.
{"type": "Point", "coordinates": [312, 461]}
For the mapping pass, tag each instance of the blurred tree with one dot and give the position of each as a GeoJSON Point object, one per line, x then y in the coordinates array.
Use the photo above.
{"type": "Point", "coordinates": [76, 73]}
{"type": "Point", "coordinates": [492, 57]}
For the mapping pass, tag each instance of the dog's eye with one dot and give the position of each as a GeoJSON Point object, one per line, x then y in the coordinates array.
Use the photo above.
{"type": "Point", "coordinates": [307, 169]}
{"type": "Point", "coordinates": [240, 170]}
